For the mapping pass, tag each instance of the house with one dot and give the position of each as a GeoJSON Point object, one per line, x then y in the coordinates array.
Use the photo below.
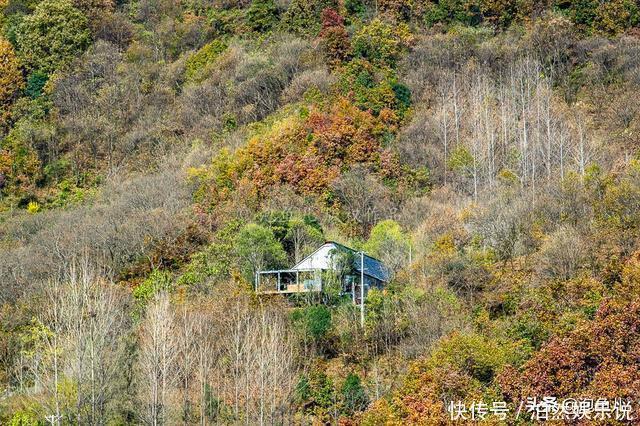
{"type": "Point", "coordinates": [328, 262]}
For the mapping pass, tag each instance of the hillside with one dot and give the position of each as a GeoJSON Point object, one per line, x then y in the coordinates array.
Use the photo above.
{"type": "Point", "coordinates": [156, 154]}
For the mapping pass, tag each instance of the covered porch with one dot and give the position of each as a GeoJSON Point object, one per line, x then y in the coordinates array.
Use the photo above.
{"type": "Point", "coordinates": [288, 281]}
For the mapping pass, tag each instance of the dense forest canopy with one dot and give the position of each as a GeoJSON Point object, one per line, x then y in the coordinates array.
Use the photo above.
{"type": "Point", "coordinates": [155, 154]}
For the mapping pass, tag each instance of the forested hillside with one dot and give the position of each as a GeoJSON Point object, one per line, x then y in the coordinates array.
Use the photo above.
{"type": "Point", "coordinates": [155, 154]}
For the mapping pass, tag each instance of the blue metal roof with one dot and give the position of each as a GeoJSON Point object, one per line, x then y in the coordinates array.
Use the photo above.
{"type": "Point", "coordinates": [372, 266]}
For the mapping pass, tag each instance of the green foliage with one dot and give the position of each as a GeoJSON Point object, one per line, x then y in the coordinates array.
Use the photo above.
{"type": "Point", "coordinates": [215, 408]}
{"type": "Point", "coordinates": [381, 43]}
{"type": "Point", "coordinates": [389, 243]}
{"type": "Point", "coordinates": [52, 36]}
{"type": "Point", "coordinates": [197, 65]}
{"type": "Point", "coordinates": [386, 236]}
{"type": "Point", "coordinates": [157, 281]}
{"type": "Point", "coordinates": [216, 260]}
{"type": "Point", "coordinates": [303, 16]}
{"type": "Point", "coordinates": [262, 15]}
{"type": "Point", "coordinates": [353, 394]}
{"type": "Point", "coordinates": [300, 18]}
{"type": "Point", "coordinates": [476, 355]}
{"type": "Point", "coordinates": [316, 393]}
{"type": "Point", "coordinates": [453, 11]}
{"type": "Point", "coordinates": [403, 96]}
{"type": "Point", "coordinates": [315, 321]}
{"type": "Point", "coordinates": [36, 83]}
{"type": "Point", "coordinates": [461, 160]}
{"type": "Point", "coordinates": [225, 22]}
{"type": "Point", "coordinates": [258, 249]}
{"type": "Point", "coordinates": [614, 17]}
{"type": "Point", "coordinates": [371, 88]}
{"type": "Point", "coordinates": [608, 17]}
{"type": "Point", "coordinates": [19, 162]}
{"type": "Point", "coordinates": [277, 221]}
{"type": "Point", "coordinates": [354, 7]}
{"type": "Point", "coordinates": [24, 418]}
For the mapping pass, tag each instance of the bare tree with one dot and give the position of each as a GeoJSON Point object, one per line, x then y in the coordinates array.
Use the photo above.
{"type": "Point", "coordinates": [82, 332]}
{"type": "Point", "coordinates": [157, 364]}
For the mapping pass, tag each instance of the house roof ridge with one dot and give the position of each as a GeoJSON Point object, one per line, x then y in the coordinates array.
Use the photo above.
{"type": "Point", "coordinates": [349, 248]}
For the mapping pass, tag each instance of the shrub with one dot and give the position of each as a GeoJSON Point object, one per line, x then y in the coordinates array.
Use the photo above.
{"type": "Point", "coordinates": [370, 87]}
{"type": "Point", "coordinates": [316, 393]}
{"type": "Point", "coordinates": [35, 84]}
{"type": "Point", "coordinates": [33, 207]}
{"type": "Point", "coordinates": [562, 255]}
{"type": "Point", "coordinates": [156, 282]}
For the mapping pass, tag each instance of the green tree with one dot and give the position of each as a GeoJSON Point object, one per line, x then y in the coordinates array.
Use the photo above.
{"type": "Point", "coordinates": [390, 244]}
{"type": "Point", "coordinates": [302, 236]}
{"type": "Point", "coordinates": [316, 393]}
{"type": "Point", "coordinates": [315, 322]}
{"type": "Point", "coordinates": [258, 249]}
{"type": "Point", "coordinates": [354, 397]}
{"type": "Point", "coordinates": [52, 36]}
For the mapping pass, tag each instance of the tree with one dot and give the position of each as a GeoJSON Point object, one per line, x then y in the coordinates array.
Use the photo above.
{"type": "Point", "coordinates": [11, 80]}
{"type": "Point", "coordinates": [158, 368]}
{"type": "Point", "coordinates": [303, 236]}
{"type": "Point", "coordinates": [363, 198]}
{"type": "Point", "coordinates": [390, 244]}
{"type": "Point", "coordinates": [52, 36]}
{"type": "Point", "coordinates": [257, 249]}
{"type": "Point", "coordinates": [76, 344]}
{"type": "Point", "coordinates": [315, 324]}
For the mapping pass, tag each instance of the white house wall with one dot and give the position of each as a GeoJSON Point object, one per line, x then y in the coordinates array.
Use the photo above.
{"type": "Point", "coordinates": [321, 259]}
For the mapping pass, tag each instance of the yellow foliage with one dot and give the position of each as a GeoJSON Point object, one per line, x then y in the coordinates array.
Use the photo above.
{"type": "Point", "coordinates": [33, 207]}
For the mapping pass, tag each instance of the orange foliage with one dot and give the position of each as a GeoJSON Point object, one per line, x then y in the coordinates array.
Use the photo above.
{"type": "Point", "coordinates": [11, 80]}
{"type": "Point", "coordinates": [308, 153]}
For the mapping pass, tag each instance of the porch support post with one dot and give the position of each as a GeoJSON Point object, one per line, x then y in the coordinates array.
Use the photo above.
{"type": "Point", "coordinates": [362, 288]}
